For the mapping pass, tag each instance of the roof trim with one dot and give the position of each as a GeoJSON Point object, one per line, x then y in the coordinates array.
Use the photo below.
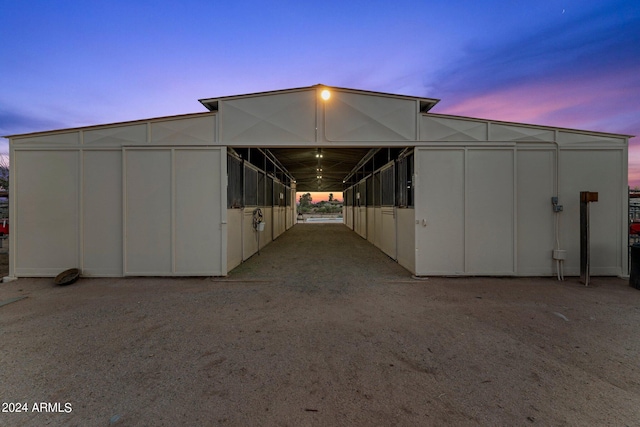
{"type": "Point", "coordinates": [426, 104]}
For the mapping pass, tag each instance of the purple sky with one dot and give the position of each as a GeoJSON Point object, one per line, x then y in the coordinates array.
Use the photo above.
{"type": "Point", "coordinates": [572, 63]}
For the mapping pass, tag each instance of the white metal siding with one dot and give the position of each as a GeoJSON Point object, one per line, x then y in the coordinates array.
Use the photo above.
{"type": "Point", "coordinates": [183, 131]}
{"type": "Point", "coordinates": [249, 234]}
{"type": "Point", "coordinates": [348, 217]}
{"type": "Point", "coordinates": [440, 211]}
{"type": "Point", "coordinates": [490, 212]}
{"type": "Point", "coordinates": [406, 239]}
{"type": "Point", "coordinates": [102, 213]}
{"type": "Point", "coordinates": [600, 171]}
{"type": "Point", "coordinates": [361, 221]}
{"type": "Point", "coordinates": [536, 230]}
{"type": "Point", "coordinates": [234, 238]}
{"type": "Point", "coordinates": [504, 132]}
{"type": "Point", "coordinates": [279, 220]}
{"type": "Point", "coordinates": [198, 211]}
{"type": "Point", "coordinates": [49, 139]}
{"type": "Point", "coordinates": [116, 135]}
{"type": "Point", "coordinates": [278, 118]}
{"type": "Point", "coordinates": [371, 224]}
{"type": "Point", "coordinates": [173, 212]}
{"type": "Point", "coordinates": [267, 235]}
{"type": "Point", "coordinates": [388, 231]}
{"type": "Point", "coordinates": [360, 117]}
{"type": "Point", "coordinates": [46, 221]}
{"type": "Point", "coordinates": [377, 224]}
{"type": "Point", "coordinates": [148, 207]}
{"type": "Point", "coordinates": [479, 212]}
{"type": "Point", "coordinates": [448, 129]}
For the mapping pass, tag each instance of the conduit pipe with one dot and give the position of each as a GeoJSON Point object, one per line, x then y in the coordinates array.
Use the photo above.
{"type": "Point", "coordinates": [558, 254]}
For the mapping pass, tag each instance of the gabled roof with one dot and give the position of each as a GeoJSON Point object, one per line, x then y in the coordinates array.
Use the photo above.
{"type": "Point", "coordinates": [426, 104]}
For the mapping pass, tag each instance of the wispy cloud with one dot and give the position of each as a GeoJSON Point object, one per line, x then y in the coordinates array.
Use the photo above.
{"type": "Point", "coordinates": [14, 122]}
{"type": "Point", "coordinates": [571, 67]}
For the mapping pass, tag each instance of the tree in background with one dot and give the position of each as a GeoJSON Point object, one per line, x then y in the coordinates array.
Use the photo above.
{"type": "Point", "coordinates": [331, 197]}
{"type": "Point", "coordinates": [305, 203]}
{"type": "Point", "coordinates": [4, 173]}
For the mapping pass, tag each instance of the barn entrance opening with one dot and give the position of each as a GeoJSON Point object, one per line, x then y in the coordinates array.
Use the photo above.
{"type": "Point", "coordinates": [364, 188]}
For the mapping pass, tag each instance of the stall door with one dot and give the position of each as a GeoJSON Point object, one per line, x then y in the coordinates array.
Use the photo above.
{"type": "Point", "coordinates": [439, 205]}
{"type": "Point", "coordinates": [465, 211]}
{"type": "Point", "coordinates": [173, 212]}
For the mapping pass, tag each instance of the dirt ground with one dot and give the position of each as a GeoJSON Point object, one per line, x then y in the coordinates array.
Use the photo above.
{"type": "Point", "coordinates": [321, 329]}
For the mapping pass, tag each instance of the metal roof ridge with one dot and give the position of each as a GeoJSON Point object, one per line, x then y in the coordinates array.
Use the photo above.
{"type": "Point", "coordinates": [431, 101]}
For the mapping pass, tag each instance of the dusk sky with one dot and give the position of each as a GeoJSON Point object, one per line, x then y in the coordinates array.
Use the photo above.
{"type": "Point", "coordinates": [571, 63]}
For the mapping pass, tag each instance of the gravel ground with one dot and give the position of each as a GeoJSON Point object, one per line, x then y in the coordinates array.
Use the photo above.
{"type": "Point", "coordinates": [321, 329]}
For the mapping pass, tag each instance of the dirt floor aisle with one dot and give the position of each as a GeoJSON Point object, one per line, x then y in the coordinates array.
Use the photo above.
{"type": "Point", "coordinates": [321, 329]}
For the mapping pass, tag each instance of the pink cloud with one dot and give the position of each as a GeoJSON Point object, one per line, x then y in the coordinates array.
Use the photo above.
{"type": "Point", "coordinates": [634, 165]}
{"type": "Point", "coordinates": [589, 103]}
{"type": "Point", "coordinates": [563, 101]}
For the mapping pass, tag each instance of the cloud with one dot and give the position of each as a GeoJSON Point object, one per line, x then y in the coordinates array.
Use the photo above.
{"type": "Point", "coordinates": [15, 122]}
{"type": "Point", "coordinates": [595, 43]}
{"type": "Point", "coordinates": [591, 103]}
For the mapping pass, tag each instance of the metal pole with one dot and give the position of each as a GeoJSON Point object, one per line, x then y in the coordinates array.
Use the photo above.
{"type": "Point", "coordinates": [585, 257]}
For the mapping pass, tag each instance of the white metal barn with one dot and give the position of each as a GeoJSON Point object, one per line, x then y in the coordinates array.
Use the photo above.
{"type": "Point", "coordinates": [442, 195]}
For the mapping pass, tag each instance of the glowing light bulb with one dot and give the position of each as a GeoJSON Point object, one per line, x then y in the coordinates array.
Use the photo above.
{"type": "Point", "coordinates": [325, 94]}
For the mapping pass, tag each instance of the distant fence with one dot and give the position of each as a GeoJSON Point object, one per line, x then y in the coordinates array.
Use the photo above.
{"type": "Point", "coordinates": [320, 218]}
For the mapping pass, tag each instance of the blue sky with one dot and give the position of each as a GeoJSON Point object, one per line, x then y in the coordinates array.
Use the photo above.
{"type": "Point", "coordinates": [572, 63]}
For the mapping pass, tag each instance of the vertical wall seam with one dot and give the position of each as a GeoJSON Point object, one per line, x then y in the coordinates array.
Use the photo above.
{"type": "Point", "coordinates": [465, 226]}
{"type": "Point", "coordinates": [317, 113]}
{"type": "Point", "coordinates": [124, 211]}
{"type": "Point", "coordinates": [13, 204]}
{"type": "Point", "coordinates": [81, 208]}
{"type": "Point", "coordinates": [624, 235]}
{"type": "Point", "coordinates": [418, 115]}
{"type": "Point", "coordinates": [172, 154]}
{"type": "Point", "coordinates": [81, 202]}
{"type": "Point", "coordinates": [224, 228]}
{"type": "Point", "coordinates": [514, 214]}
{"type": "Point", "coordinates": [220, 122]}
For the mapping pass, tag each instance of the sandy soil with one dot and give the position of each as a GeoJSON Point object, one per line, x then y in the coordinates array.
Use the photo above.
{"type": "Point", "coordinates": [322, 329]}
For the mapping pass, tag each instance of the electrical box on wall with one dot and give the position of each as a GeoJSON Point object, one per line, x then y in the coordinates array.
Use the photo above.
{"type": "Point", "coordinates": [556, 206]}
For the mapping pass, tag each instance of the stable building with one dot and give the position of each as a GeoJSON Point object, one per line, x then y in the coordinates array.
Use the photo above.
{"type": "Point", "coordinates": [198, 194]}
